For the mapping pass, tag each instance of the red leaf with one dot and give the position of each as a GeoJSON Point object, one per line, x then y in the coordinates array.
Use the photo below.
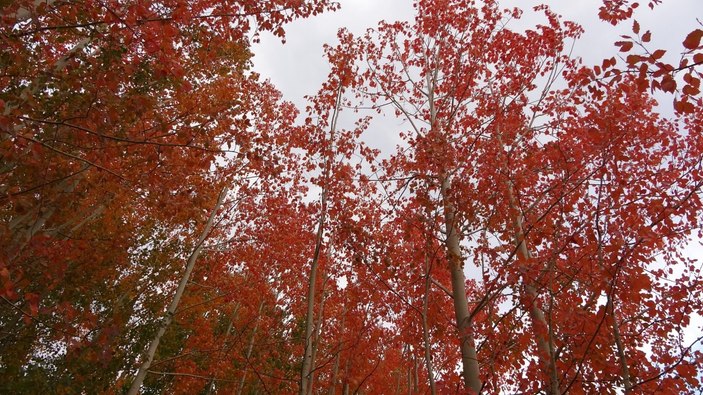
{"type": "Point", "coordinates": [690, 90]}
{"type": "Point", "coordinates": [646, 36]}
{"type": "Point", "coordinates": [658, 54]}
{"type": "Point", "coordinates": [636, 27]}
{"type": "Point", "coordinates": [693, 40]}
{"type": "Point", "coordinates": [691, 80]}
{"type": "Point", "coordinates": [684, 107]}
{"type": "Point", "coordinates": [624, 45]}
{"type": "Point", "coordinates": [33, 302]}
{"type": "Point", "coordinates": [668, 84]}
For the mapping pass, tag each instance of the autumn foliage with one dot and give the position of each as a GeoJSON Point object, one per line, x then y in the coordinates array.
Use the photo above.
{"type": "Point", "coordinates": [170, 224]}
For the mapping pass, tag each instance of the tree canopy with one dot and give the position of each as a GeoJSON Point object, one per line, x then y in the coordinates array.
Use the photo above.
{"type": "Point", "coordinates": [171, 224]}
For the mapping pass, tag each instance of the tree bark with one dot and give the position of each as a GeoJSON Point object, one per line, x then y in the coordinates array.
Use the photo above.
{"type": "Point", "coordinates": [540, 326]}
{"type": "Point", "coordinates": [310, 316]}
{"type": "Point", "coordinates": [345, 388]}
{"type": "Point", "coordinates": [24, 13]}
{"type": "Point", "coordinates": [166, 322]}
{"type": "Point", "coordinates": [464, 325]}
{"type": "Point", "coordinates": [316, 342]}
{"type": "Point", "coordinates": [335, 370]}
{"type": "Point", "coordinates": [309, 326]}
{"type": "Point", "coordinates": [250, 348]}
{"type": "Point", "coordinates": [26, 227]}
{"type": "Point", "coordinates": [425, 326]}
{"type": "Point", "coordinates": [624, 368]}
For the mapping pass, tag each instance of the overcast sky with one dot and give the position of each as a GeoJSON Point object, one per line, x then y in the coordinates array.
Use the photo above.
{"type": "Point", "coordinates": [297, 68]}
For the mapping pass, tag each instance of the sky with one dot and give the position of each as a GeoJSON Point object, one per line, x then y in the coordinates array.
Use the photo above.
{"type": "Point", "coordinates": [298, 67]}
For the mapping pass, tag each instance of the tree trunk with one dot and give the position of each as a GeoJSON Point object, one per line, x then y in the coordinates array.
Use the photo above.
{"type": "Point", "coordinates": [416, 382]}
{"type": "Point", "coordinates": [26, 227]}
{"type": "Point", "coordinates": [345, 388]}
{"type": "Point", "coordinates": [540, 326]}
{"type": "Point", "coordinates": [310, 316]}
{"type": "Point", "coordinates": [249, 349]}
{"type": "Point", "coordinates": [335, 370]}
{"type": "Point", "coordinates": [464, 325]}
{"type": "Point", "coordinates": [153, 346]}
{"type": "Point", "coordinates": [425, 326]}
{"type": "Point", "coordinates": [316, 342]}
{"type": "Point", "coordinates": [624, 368]}
{"type": "Point", "coordinates": [228, 332]}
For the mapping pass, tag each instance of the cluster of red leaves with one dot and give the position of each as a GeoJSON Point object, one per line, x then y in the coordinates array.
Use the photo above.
{"type": "Point", "coordinates": [681, 78]}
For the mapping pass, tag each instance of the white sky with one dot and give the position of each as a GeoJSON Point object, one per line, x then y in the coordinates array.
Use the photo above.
{"type": "Point", "coordinates": [298, 68]}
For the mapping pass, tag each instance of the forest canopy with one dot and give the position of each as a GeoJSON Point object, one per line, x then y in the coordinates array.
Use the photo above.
{"type": "Point", "coordinates": [171, 223]}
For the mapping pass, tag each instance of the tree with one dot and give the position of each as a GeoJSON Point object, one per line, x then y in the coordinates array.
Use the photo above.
{"type": "Point", "coordinates": [494, 147]}
{"type": "Point", "coordinates": [116, 119]}
{"type": "Point", "coordinates": [528, 229]}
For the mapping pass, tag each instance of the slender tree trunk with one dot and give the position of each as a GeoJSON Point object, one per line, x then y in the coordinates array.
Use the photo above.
{"type": "Point", "coordinates": [425, 326]}
{"type": "Point", "coordinates": [25, 13]}
{"type": "Point", "coordinates": [622, 357]}
{"type": "Point", "coordinates": [309, 326]}
{"type": "Point", "coordinates": [540, 326]}
{"type": "Point", "coordinates": [37, 84]}
{"type": "Point", "coordinates": [250, 348]}
{"type": "Point", "coordinates": [464, 325]}
{"type": "Point", "coordinates": [333, 382]}
{"type": "Point", "coordinates": [310, 316]}
{"type": "Point", "coordinates": [26, 227]}
{"type": "Point", "coordinates": [316, 342]}
{"type": "Point", "coordinates": [166, 322]}
{"type": "Point", "coordinates": [335, 370]}
{"type": "Point", "coordinates": [542, 329]}
{"type": "Point", "coordinates": [469, 359]}
{"type": "Point", "coordinates": [408, 369]}
{"type": "Point", "coordinates": [228, 332]}
{"type": "Point", "coordinates": [426, 336]}
{"type": "Point", "coordinates": [545, 343]}
{"type": "Point", "coordinates": [345, 388]}
{"type": "Point", "coordinates": [624, 368]}
{"type": "Point", "coordinates": [416, 382]}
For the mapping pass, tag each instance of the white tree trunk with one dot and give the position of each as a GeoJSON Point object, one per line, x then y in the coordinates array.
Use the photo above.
{"type": "Point", "coordinates": [153, 346]}
{"type": "Point", "coordinates": [469, 358]}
